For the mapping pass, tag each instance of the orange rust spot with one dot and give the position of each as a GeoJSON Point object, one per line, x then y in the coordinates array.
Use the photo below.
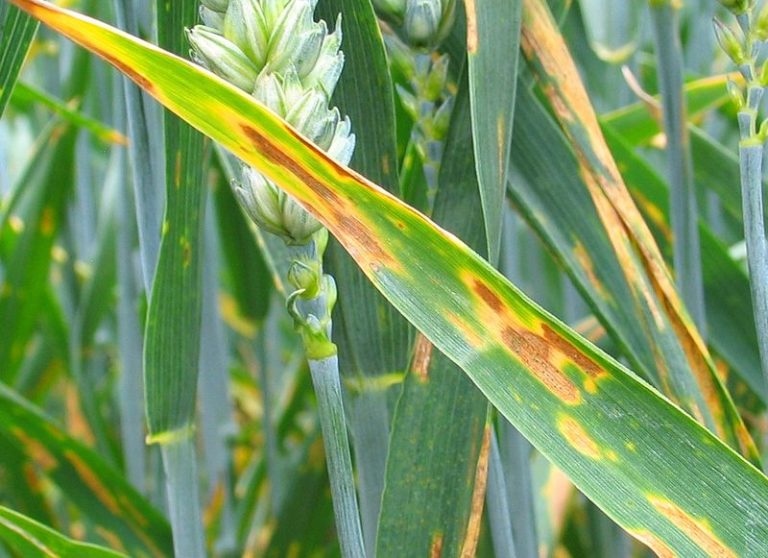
{"type": "Point", "coordinates": [659, 547]}
{"type": "Point", "coordinates": [422, 356]}
{"type": "Point", "coordinates": [47, 221]}
{"type": "Point", "coordinates": [698, 530]}
{"type": "Point", "coordinates": [469, 548]}
{"type": "Point", "coordinates": [579, 438]}
{"type": "Point", "coordinates": [436, 548]}
{"type": "Point", "coordinates": [534, 352]}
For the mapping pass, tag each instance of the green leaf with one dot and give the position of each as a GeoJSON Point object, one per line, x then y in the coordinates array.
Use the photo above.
{"type": "Point", "coordinates": [173, 320]}
{"type": "Point", "coordinates": [493, 44]}
{"type": "Point", "coordinates": [172, 346]}
{"type": "Point", "coordinates": [654, 470]}
{"type": "Point", "coordinates": [702, 392]}
{"type": "Point", "coordinates": [29, 228]}
{"type": "Point", "coordinates": [25, 96]}
{"type": "Point", "coordinates": [639, 122]}
{"type": "Point", "coordinates": [373, 339]}
{"type": "Point", "coordinates": [439, 425]}
{"type": "Point", "coordinates": [121, 514]}
{"type": "Point", "coordinates": [17, 30]}
{"type": "Point", "coordinates": [31, 539]}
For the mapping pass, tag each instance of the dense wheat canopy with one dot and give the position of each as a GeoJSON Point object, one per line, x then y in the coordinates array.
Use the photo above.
{"type": "Point", "coordinates": [383, 278]}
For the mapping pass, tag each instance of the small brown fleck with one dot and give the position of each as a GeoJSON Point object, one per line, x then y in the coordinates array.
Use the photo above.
{"type": "Point", "coordinates": [422, 357]}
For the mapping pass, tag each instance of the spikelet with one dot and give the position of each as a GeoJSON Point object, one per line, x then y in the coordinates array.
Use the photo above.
{"type": "Point", "coordinates": [275, 51]}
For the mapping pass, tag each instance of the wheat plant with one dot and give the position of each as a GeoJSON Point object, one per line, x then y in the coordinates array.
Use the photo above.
{"type": "Point", "coordinates": [382, 278]}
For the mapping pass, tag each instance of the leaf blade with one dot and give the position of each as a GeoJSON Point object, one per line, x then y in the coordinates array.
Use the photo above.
{"type": "Point", "coordinates": [582, 409]}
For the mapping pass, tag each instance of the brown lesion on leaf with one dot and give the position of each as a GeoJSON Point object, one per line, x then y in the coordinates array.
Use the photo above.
{"type": "Point", "coordinates": [582, 361]}
{"type": "Point", "coordinates": [535, 353]}
{"type": "Point", "coordinates": [699, 531]}
{"type": "Point", "coordinates": [436, 547]}
{"type": "Point", "coordinates": [472, 535]}
{"type": "Point", "coordinates": [336, 212]}
{"type": "Point", "coordinates": [422, 358]}
{"type": "Point", "coordinates": [487, 295]}
{"type": "Point", "coordinates": [544, 353]}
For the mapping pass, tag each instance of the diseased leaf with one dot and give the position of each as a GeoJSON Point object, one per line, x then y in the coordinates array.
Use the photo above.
{"type": "Point", "coordinates": [659, 474]}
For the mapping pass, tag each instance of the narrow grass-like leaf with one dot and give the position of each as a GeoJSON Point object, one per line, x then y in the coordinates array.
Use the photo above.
{"type": "Point", "coordinates": [684, 208]}
{"type": "Point", "coordinates": [122, 516]}
{"type": "Point", "coordinates": [29, 229]}
{"type": "Point", "coordinates": [653, 469]}
{"type": "Point", "coordinates": [605, 270]}
{"type": "Point", "coordinates": [439, 423]}
{"type": "Point", "coordinates": [173, 321]}
{"type": "Point", "coordinates": [129, 335]}
{"type": "Point", "coordinates": [372, 337]}
{"type": "Point", "coordinates": [25, 96]}
{"type": "Point", "coordinates": [145, 156]}
{"type": "Point", "coordinates": [548, 55]}
{"type": "Point", "coordinates": [32, 539]}
{"type": "Point", "coordinates": [639, 122]}
{"type": "Point", "coordinates": [172, 347]}
{"type": "Point", "coordinates": [493, 44]}
{"type": "Point", "coordinates": [17, 30]}
{"type": "Point", "coordinates": [729, 318]}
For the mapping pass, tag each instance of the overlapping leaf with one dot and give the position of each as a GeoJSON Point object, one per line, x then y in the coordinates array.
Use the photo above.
{"type": "Point", "coordinates": [700, 390]}
{"type": "Point", "coordinates": [120, 514]}
{"type": "Point", "coordinates": [658, 473]}
{"type": "Point", "coordinates": [31, 539]}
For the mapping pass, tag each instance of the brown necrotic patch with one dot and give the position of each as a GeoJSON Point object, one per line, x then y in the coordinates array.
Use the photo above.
{"type": "Point", "coordinates": [697, 530]}
{"type": "Point", "coordinates": [422, 357]}
{"type": "Point", "coordinates": [489, 297]}
{"type": "Point", "coordinates": [333, 210]}
{"type": "Point", "coordinates": [536, 354]}
{"type": "Point", "coordinates": [585, 363]}
{"type": "Point", "coordinates": [541, 353]}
